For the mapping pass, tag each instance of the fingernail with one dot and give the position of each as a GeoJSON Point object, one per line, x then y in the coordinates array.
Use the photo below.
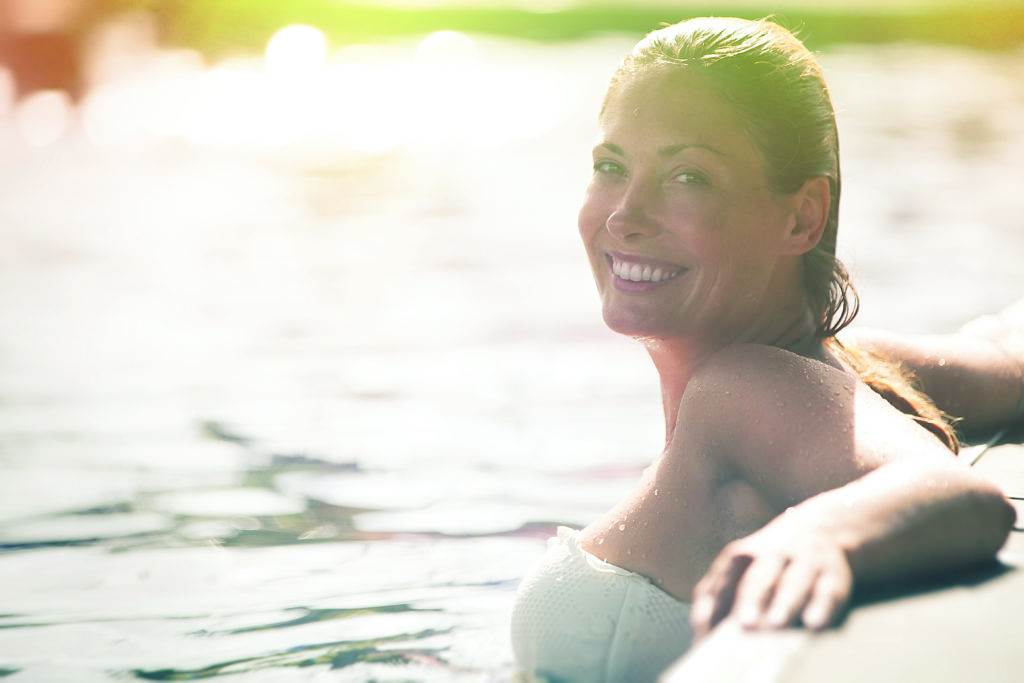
{"type": "Point", "coordinates": [749, 616]}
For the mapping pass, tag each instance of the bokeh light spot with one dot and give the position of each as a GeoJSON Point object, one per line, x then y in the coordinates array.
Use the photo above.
{"type": "Point", "coordinates": [296, 51]}
{"type": "Point", "coordinates": [446, 48]}
{"type": "Point", "coordinates": [6, 91]}
{"type": "Point", "coordinates": [43, 117]}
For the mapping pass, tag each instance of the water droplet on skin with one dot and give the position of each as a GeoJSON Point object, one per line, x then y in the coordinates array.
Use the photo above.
{"type": "Point", "coordinates": [628, 551]}
{"type": "Point", "coordinates": [942, 362]}
{"type": "Point", "coordinates": [600, 541]}
{"type": "Point", "coordinates": [622, 527]}
{"type": "Point", "coordinates": [655, 491]}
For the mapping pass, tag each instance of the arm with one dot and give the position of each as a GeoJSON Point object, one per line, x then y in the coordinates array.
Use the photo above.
{"type": "Point", "coordinates": [872, 494]}
{"type": "Point", "coordinates": [899, 521]}
{"type": "Point", "coordinates": [976, 374]}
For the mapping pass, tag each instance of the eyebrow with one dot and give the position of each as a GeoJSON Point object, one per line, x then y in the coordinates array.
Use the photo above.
{"type": "Point", "coordinates": [668, 151]}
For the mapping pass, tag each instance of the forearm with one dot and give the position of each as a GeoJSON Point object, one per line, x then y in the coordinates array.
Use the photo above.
{"type": "Point", "coordinates": [905, 519]}
{"type": "Point", "coordinates": [968, 376]}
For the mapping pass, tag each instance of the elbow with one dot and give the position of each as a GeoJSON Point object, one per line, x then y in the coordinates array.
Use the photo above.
{"type": "Point", "coordinates": [1009, 517]}
{"type": "Point", "coordinates": [986, 515]}
{"type": "Point", "coordinates": [1001, 516]}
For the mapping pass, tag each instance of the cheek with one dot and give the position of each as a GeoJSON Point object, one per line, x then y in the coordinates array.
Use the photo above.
{"type": "Point", "coordinates": [729, 250]}
{"type": "Point", "coordinates": [702, 227]}
{"type": "Point", "coordinates": [729, 233]}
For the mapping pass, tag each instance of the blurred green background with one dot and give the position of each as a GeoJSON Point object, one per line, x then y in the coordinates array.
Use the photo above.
{"type": "Point", "coordinates": [42, 42]}
{"type": "Point", "coordinates": [219, 25]}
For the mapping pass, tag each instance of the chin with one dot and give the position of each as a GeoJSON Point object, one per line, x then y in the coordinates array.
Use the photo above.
{"type": "Point", "coordinates": [632, 324]}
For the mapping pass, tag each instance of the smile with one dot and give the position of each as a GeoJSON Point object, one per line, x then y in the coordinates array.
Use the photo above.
{"type": "Point", "coordinates": [634, 274]}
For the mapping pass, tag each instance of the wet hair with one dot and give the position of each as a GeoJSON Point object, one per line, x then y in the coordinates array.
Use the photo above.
{"type": "Point", "coordinates": [778, 90]}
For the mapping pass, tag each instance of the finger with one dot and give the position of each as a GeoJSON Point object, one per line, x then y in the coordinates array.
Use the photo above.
{"type": "Point", "coordinates": [831, 593]}
{"type": "Point", "coordinates": [792, 594]}
{"type": "Point", "coordinates": [714, 594]}
{"type": "Point", "coordinates": [757, 588]}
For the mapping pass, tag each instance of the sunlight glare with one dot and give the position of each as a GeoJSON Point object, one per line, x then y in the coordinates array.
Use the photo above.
{"type": "Point", "coordinates": [448, 81]}
{"type": "Point", "coordinates": [43, 117]}
{"type": "Point", "coordinates": [447, 49]}
{"type": "Point", "coordinates": [366, 106]}
{"type": "Point", "coordinates": [296, 51]}
{"type": "Point", "coordinates": [225, 107]}
{"type": "Point", "coordinates": [104, 118]}
{"type": "Point", "coordinates": [6, 91]}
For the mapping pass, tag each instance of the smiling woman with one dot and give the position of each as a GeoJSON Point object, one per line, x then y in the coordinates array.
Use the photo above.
{"type": "Point", "coordinates": [710, 225]}
{"type": "Point", "coordinates": [679, 180]}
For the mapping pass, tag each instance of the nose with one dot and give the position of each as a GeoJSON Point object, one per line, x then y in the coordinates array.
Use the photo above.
{"type": "Point", "coordinates": [632, 218]}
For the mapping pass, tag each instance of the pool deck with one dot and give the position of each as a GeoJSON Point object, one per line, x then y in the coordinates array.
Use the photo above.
{"type": "Point", "coordinates": [964, 627]}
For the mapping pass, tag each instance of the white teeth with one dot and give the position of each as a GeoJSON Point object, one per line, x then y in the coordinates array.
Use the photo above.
{"type": "Point", "coordinates": [638, 273]}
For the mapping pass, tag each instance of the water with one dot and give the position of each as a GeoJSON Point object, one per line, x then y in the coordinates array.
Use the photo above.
{"type": "Point", "coordinates": [307, 411]}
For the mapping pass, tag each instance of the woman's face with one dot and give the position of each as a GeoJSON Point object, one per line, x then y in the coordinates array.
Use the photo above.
{"type": "Point", "coordinates": [683, 233]}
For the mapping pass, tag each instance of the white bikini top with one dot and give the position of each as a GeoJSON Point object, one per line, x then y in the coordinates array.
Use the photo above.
{"type": "Point", "coordinates": [579, 618]}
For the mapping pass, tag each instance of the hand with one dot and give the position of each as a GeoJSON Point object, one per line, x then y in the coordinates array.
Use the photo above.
{"type": "Point", "coordinates": [778, 575]}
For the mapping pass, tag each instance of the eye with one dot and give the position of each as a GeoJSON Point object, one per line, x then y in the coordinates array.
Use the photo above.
{"type": "Point", "coordinates": [607, 167]}
{"type": "Point", "coordinates": [691, 178]}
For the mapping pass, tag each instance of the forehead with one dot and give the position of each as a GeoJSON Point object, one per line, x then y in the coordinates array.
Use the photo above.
{"type": "Point", "coordinates": [668, 104]}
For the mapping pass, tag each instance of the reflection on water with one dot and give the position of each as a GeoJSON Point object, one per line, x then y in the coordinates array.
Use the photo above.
{"type": "Point", "coordinates": [335, 655]}
{"type": "Point", "coordinates": [286, 389]}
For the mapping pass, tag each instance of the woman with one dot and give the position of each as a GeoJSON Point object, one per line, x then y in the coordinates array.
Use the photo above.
{"type": "Point", "coordinates": [710, 224]}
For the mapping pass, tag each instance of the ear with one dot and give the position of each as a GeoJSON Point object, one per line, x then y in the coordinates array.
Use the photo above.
{"type": "Point", "coordinates": [810, 209]}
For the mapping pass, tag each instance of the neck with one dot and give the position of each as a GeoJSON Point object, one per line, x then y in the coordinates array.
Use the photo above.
{"type": "Point", "coordinates": [790, 326]}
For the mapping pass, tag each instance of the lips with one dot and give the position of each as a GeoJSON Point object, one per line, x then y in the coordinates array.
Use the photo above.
{"type": "Point", "coordinates": [639, 270]}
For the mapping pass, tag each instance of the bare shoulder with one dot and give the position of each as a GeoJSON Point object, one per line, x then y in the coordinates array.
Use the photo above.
{"type": "Point", "coordinates": [758, 362]}
{"type": "Point", "coordinates": [759, 429]}
{"type": "Point", "coordinates": [794, 426]}
{"type": "Point", "coordinates": [693, 499]}
{"type": "Point", "coordinates": [747, 385]}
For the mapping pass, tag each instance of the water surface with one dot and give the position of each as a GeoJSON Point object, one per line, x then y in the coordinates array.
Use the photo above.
{"type": "Point", "coordinates": [308, 411]}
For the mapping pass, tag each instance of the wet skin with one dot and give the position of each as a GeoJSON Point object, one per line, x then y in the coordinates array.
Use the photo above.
{"type": "Point", "coordinates": [752, 429]}
{"type": "Point", "coordinates": [678, 185]}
